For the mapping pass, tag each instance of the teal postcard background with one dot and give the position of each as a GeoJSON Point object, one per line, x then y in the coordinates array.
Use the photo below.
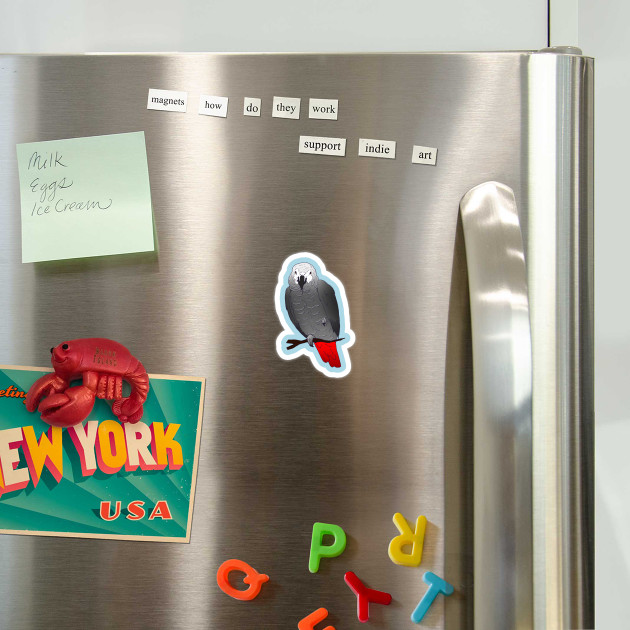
{"type": "Point", "coordinates": [72, 505]}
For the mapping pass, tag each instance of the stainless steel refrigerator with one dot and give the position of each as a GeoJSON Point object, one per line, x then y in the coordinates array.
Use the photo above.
{"type": "Point", "coordinates": [469, 284]}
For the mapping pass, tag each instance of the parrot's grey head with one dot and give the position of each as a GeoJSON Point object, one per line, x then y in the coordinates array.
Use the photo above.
{"type": "Point", "coordinates": [303, 276]}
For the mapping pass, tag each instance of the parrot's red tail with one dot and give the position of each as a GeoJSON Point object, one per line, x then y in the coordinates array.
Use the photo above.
{"type": "Point", "coordinates": [328, 353]}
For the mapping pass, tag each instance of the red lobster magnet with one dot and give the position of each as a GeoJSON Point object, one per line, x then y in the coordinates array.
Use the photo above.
{"type": "Point", "coordinates": [102, 364]}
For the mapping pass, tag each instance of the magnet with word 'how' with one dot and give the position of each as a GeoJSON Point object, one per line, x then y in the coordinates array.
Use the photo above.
{"type": "Point", "coordinates": [252, 577]}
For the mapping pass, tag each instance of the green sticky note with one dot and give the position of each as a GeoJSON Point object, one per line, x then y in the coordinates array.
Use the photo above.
{"type": "Point", "coordinates": [85, 197]}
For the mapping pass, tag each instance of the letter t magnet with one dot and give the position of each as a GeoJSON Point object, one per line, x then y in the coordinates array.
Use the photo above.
{"type": "Point", "coordinates": [436, 586]}
{"type": "Point", "coordinates": [407, 537]}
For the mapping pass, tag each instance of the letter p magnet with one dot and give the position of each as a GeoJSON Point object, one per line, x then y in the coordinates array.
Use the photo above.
{"type": "Point", "coordinates": [319, 550]}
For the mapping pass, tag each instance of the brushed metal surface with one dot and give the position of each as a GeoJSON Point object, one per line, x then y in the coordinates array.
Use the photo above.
{"type": "Point", "coordinates": [560, 277]}
{"type": "Point", "coordinates": [502, 369]}
{"type": "Point", "coordinates": [282, 445]}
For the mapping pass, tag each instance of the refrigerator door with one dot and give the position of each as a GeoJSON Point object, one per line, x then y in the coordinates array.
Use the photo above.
{"type": "Point", "coordinates": [282, 445]}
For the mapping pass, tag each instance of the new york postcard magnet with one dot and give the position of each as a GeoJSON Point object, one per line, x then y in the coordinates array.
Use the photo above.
{"type": "Point", "coordinates": [313, 309]}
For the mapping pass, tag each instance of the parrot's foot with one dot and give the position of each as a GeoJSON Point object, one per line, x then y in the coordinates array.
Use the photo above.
{"type": "Point", "coordinates": [309, 339]}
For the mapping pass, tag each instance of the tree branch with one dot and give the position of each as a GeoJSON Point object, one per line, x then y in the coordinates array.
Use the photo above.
{"type": "Point", "coordinates": [293, 343]}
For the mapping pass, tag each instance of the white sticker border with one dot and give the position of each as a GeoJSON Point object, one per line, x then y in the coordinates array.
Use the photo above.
{"type": "Point", "coordinates": [287, 330]}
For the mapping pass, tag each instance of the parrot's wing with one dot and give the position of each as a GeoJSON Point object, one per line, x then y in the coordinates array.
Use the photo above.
{"type": "Point", "coordinates": [289, 305]}
{"type": "Point", "coordinates": [329, 302]}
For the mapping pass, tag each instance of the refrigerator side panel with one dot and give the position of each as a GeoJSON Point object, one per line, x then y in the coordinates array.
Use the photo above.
{"type": "Point", "coordinates": [560, 268]}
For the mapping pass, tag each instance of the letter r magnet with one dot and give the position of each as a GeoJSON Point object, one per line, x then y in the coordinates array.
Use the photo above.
{"type": "Point", "coordinates": [407, 537]}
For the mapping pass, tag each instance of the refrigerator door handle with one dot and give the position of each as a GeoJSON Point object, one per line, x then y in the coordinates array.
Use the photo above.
{"type": "Point", "coordinates": [502, 375]}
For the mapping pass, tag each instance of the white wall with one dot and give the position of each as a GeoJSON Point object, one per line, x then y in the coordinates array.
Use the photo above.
{"type": "Point", "coordinates": [270, 25]}
{"type": "Point", "coordinates": [604, 29]}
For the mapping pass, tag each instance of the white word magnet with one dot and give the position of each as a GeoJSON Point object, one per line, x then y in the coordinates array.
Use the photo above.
{"type": "Point", "coordinates": [377, 148]}
{"type": "Point", "coordinates": [285, 107]}
{"type": "Point", "coordinates": [213, 105]}
{"type": "Point", "coordinates": [424, 155]}
{"type": "Point", "coordinates": [251, 106]}
{"type": "Point", "coordinates": [324, 108]}
{"type": "Point", "coordinates": [167, 100]}
{"type": "Point", "coordinates": [322, 146]}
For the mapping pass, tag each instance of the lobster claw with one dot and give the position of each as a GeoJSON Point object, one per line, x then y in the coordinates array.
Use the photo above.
{"type": "Point", "coordinates": [43, 386]}
{"type": "Point", "coordinates": [68, 408]}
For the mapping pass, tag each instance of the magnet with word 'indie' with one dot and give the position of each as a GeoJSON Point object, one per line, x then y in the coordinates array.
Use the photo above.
{"type": "Point", "coordinates": [102, 364]}
{"type": "Point", "coordinates": [252, 577]}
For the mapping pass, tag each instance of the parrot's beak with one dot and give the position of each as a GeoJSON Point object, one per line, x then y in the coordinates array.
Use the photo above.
{"type": "Point", "coordinates": [301, 281]}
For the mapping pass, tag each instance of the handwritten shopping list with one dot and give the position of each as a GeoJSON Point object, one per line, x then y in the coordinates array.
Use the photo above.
{"type": "Point", "coordinates": [85, 197]}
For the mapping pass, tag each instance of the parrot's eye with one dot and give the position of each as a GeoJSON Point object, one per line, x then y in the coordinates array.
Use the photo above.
{"type": "Point", "coordinates": [65, 346]}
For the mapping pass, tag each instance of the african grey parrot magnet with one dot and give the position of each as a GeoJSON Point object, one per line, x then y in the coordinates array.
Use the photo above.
{"type": "Point", "coordinates": [313, 309]}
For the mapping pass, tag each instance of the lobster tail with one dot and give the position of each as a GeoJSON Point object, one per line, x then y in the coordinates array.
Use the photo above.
{"type": "Point", "coordinates": [139, 381]}
{"type": "Point", "coordinates": [130, 409]}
